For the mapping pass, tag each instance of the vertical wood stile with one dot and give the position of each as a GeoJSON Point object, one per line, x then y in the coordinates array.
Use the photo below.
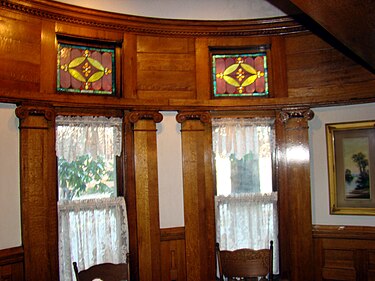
{"type": "Point", "coordinates": [39, 192]}
{"type": "Point", "coordinates": [295, 194]}
{"type": "Point", "coordinates": [147, 194]}
{"type": "Point", "coordinates": [198, 195]}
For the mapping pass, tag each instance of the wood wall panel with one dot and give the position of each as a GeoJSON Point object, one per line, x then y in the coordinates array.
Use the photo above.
{"type": "Point", "coordinates": [19, 53]}
{"type": "Point", "coordinates": [173, 260]}
{"type": "Point", "coordinates": [344, 253]}
{"type": "Point", "coordinates": [165, 68]}
{"type": "Point", "coordinates": [11, 264]}
{"type": "Point", "coordinates": [315, 68]}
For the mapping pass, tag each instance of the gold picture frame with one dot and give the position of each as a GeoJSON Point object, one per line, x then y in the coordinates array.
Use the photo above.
{"type": "Point", "coordinates": [351, 167]}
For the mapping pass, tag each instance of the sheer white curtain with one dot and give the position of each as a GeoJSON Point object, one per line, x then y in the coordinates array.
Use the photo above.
{"type": "Point", "coordinates": [91, 231]}
{"type": "Point", "coordinates": [95, 230]}
{"type": "Point", "coordinates": [245, 219]}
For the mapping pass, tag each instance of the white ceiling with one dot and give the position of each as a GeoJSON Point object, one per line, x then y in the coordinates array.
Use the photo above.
{"type": "Point", "coordinates": [185, 9]}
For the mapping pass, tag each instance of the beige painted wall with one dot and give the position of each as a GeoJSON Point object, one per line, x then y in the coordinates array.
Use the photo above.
{"type": "Point", "coordinates": [10, 216]}
{"type": "Point", "coordinates": [319, 172]}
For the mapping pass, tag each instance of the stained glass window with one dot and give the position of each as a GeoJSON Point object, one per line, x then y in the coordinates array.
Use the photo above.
{"type": "Point", "coordinates": [88, 70]}
{"type": "Point", "coordinates": [238, 75]}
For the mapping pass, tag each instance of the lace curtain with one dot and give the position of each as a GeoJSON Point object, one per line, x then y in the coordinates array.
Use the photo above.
{"type": "Point", "coordinates": [91, 231]}
{"type": "Point", "coordinates": [246, 219]}
{"type": "Point", "coordinates": [80, 135]}
{"type": "Point", "coordinates": [240, 136]}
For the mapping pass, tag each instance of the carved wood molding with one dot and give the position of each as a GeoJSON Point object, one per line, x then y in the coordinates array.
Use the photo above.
{"type": "Point", "coordinates": [135, 116]}
{"type": "Point", "coordinates": [344, 232]}
{"type": "Point", "coordinates": [24, 111]}
{"type": "Point", "coordinates": [11, 255]}
{"type": "Point", "coordinates": [303, 113]}
{"type": "Point", "coordinates": [126, 23]}
{"type": "Point", "coordinates": [203, 116]}
{"type": "Point", "coordinates": [174, 233]}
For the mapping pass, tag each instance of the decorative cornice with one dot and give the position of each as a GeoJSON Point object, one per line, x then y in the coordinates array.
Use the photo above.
{"type": "Point", "coordinates": [135, 116]}
{"type": "Point", "coordinates": [304, 113]}
{"type": "Point", "coordinates": [203, 116]}
{"type": "Point", "coordinates": [125, 23]}
{"type": "Point", "coordinates": [24, 111]}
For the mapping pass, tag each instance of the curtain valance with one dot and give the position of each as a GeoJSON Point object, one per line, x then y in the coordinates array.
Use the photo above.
{"type": "Point", "coordinates": [242, 136]}
{"type": "Point", "coordinates": [81, 135]}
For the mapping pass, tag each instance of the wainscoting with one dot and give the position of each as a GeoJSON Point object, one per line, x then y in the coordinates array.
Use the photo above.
{"type": "Point", "coordinates": [173, 262]}
{"type": "Point", "coordinates": [344, 253]}
{"type": "Point", "coordinates": [340, 253]}
{"type": "Point", "coordinates": [11, 264]}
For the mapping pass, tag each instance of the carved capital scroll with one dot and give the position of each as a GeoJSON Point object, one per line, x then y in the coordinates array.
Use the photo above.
{"type": "Point", "coordinates": [203, 116]}
{"type": "Point", "coordinates": [304, 113]}
{"type": "Point", "coordinates": [24, 111]}
{"type": "Point", "coordinates": [135, 116]}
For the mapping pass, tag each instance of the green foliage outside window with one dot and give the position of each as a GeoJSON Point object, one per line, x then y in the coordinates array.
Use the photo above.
{"type": "Point", "coordinates": [85, 176]}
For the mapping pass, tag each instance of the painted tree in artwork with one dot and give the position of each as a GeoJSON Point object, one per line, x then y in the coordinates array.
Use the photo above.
{"type": "Point", "coordinates": [363, 177]}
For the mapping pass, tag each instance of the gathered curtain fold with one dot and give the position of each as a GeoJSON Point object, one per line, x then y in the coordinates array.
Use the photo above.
{"type": "Point", "coordinates": [91, 231]}
{"type": "Point", "coordinates": [81, 135]}
{"type": "Point", "coordinates": [248, 220]}
{"type": "Point", "coordinates": [241, 136]}
{"type": "Point", "coordinates": [95, 230]}
{"type": "Point", "coordinates": [245, 204]}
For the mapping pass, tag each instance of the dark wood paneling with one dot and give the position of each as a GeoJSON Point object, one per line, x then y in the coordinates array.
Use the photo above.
{"type": "Point", "coordinates": [314, 68]}
{"type": "Point", "coordinates": [11, 264]}
{"type": "Point", "coordinates": [344, 252]}
{"type": "Point", "coordinates": [350, 22]}
{"type": "Point", "coordinates": [294, 193]}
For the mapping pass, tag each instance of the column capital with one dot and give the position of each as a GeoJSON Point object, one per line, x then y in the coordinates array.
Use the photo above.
{"type": "Point", "coordinates": [203, 116]}
{"type": "Point", "coordinates": [298, 112]}
{"type": "Point", "coordinates": [24, 111]}
{"type": "Point", "coordinates": [135, 116]}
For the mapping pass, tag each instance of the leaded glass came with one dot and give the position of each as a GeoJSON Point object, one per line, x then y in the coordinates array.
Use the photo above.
{"type": "Point", "coordinates": [240, 75]}
{"type": "Point", "coordinates": [83, 69]}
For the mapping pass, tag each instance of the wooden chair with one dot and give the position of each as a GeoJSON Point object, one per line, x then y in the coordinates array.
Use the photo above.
{"type": "Point", "coordinates": [104, 272]}
{"type": "Point", "coordinates": [246, 264]}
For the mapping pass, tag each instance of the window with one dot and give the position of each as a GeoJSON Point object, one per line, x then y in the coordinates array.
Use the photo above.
{"type": "Point", "coordinates": [86, 69]}
{"type": "Point", "coordinates": [245, 201]}
{"type": "Point", "coordinates": [240, 75]}
{"type": "Point", "coordinates": [92, 218]}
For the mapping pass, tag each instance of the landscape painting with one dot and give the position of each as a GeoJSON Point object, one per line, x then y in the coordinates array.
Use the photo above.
{"type": "Point", "coordinates": [351, 167]}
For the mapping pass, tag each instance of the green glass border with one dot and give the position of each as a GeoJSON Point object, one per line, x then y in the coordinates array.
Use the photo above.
{"type": "Point", "coordinates": [254, 94]}
{"type": "Point", "coordinates": [82, 91]}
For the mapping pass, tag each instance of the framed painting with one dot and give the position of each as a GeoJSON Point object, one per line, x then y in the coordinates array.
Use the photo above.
{"type": "Point", "coordinates": [351, 167]}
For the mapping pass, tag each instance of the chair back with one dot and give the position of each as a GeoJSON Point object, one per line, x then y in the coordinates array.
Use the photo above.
{"type": "Point", "coordinates": [245, 263]}
{"type": "Point", "coordinates": [104, 272]}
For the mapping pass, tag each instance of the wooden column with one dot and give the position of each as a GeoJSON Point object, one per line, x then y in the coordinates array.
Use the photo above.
{"type": "Point", "coordinates": [295, 195]}
{"type": "Point", "coordinates": [147, 194]}
{"type": "Point", "coordinates": [39, 192]}
{"type": "Point", "coordinates": [198, 195]}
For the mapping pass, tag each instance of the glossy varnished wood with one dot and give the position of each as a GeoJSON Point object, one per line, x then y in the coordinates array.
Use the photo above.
{"type": "Point", "coordinates": [173, 254]}
{"type": "Point", "coordinates": [294, 194]}
{"type": "Point", "coordinates": [11, 264]}
{"type": "Point", "coordinates": [39, 192]}
{"type": "Point", "coordinates": [344, 252]}
{"type": "Point", "coordinates": [198, 187]}
{"type": "Point", "coordinates": [147, 193]}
